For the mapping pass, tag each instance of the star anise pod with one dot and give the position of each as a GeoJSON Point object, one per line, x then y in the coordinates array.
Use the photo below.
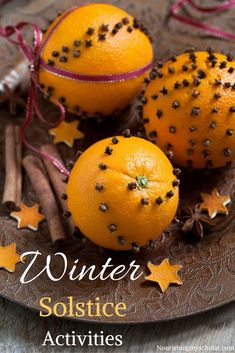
{"type": "Point", "coordinates": [13, 98]}
{"type": "Point", "coordinates": [195, 221]}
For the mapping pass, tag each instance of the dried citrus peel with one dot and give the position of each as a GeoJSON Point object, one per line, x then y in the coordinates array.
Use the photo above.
{"type": "Point", "coordinates": [164, 274]}
{"type": "Point", "coordinates": [28, 217]}
{"type": "Point", "coordinates": [215, 203]}
{"type": "Point", "coordinates": [67, 133]}
{"type": "Point", "coordinates": [9, 257]}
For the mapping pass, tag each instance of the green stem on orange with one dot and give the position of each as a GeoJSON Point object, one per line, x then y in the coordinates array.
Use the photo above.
{"type": "Point", "coordinates": [142, 181]}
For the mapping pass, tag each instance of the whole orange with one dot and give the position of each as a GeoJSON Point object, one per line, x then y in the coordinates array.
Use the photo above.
{"type": "Point", "coordinates": [122, 192]}
{"type": "Point", "coordinates": [94, 59]}
{"type": "Point", "coordinates": [190, 109]}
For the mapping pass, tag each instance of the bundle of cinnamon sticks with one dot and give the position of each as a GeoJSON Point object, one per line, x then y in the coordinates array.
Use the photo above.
{"type": "Point", "coordinates": [45, 178]}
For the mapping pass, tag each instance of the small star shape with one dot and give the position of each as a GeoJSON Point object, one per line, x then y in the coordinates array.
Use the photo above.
{"type": "Point", "coordinates": [9, 257]}
{"type": "Point", "coordinates": [28, 217]}
{"type": "Point", "coordinates": [215, 203]}
{"type": "Point", "coordinates": [66, 132]}
{"type": "Point", "coordinates": [164, 274]}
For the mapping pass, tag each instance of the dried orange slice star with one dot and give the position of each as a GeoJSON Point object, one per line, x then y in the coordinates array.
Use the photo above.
{"type": "Point", "coordinates": [66, 132]}
{"type": "Point", "coordinates": [215, 203]}
{"type": "Point", "coordinates": [9, 257]}
{"type": "Point", "coordinates": [164, 274]}
{"type": "Point", "coordinates": [28, 217]}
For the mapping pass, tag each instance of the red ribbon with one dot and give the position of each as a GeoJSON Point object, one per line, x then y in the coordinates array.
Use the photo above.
{"type": "Point", "coordinates": [32, 55]}
{"type": "Point", "coordinates": [215, 31]}
{"type": "Point", "coordinates": [87, 77]}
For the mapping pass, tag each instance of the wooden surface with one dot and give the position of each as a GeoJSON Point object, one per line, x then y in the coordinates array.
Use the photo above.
{"type": "Point", "coordinates": [22, 331]}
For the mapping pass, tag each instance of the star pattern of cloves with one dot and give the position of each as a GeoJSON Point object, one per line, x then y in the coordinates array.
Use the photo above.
{"type": "Point", "coordinates": [93, 34]}
{"type": "Point", "coordinates": [97, 34]}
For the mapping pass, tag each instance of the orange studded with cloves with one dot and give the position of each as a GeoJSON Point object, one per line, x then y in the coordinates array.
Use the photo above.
{"type": "Point", "coordinates": [123, 192]}
{"type": "Point", "coordinates": [94, 59]}
{"type": "Point", "coordinates": [189, 108]}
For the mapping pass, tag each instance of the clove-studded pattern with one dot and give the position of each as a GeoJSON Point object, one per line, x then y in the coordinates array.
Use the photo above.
{"type": "Point", "coordinates": [189, 108]}
{"type": "Point", "coordinates": [131, 184]}
{"type": "Point", "coordinates": [78, 67]}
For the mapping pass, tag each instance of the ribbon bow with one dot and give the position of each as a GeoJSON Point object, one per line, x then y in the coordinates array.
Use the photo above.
{"type": "Point", "coordinates": [32, 54]}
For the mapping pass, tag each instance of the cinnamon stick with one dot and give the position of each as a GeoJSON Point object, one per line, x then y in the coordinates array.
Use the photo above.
{"type": "Point", "coordinates": [18, 145]}
{"type": "Point", "coordinates": [56, 179]}
{"type": "Point", "coordinates": [46, 197]}
{"type": "Point", "coordinates": [13, 171]}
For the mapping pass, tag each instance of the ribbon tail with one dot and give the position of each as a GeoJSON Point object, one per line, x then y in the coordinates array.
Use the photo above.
{"type": "Point", "coordinates": [215, 31]}
{"type": "Point", "coordinates": [39, 113]}
{"type": "Point", "coordinates": [226, 5]}
{"type": "Point", "coordinates": [31, 55]}
{"type": "Point", "coordinates": [27, 122]}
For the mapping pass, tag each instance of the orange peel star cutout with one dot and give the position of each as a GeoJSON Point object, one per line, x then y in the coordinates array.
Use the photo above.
{"type": "Point", "coordinates": [9, 257]}
{"type": "Point", "coordinates": [215, 203]}
{"type": "Point", "coordinates": [66, 132]}
{"type": "Point", "coordinates": [28, 217]}
{"type": "Point", "coordinates": [164, 274]}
